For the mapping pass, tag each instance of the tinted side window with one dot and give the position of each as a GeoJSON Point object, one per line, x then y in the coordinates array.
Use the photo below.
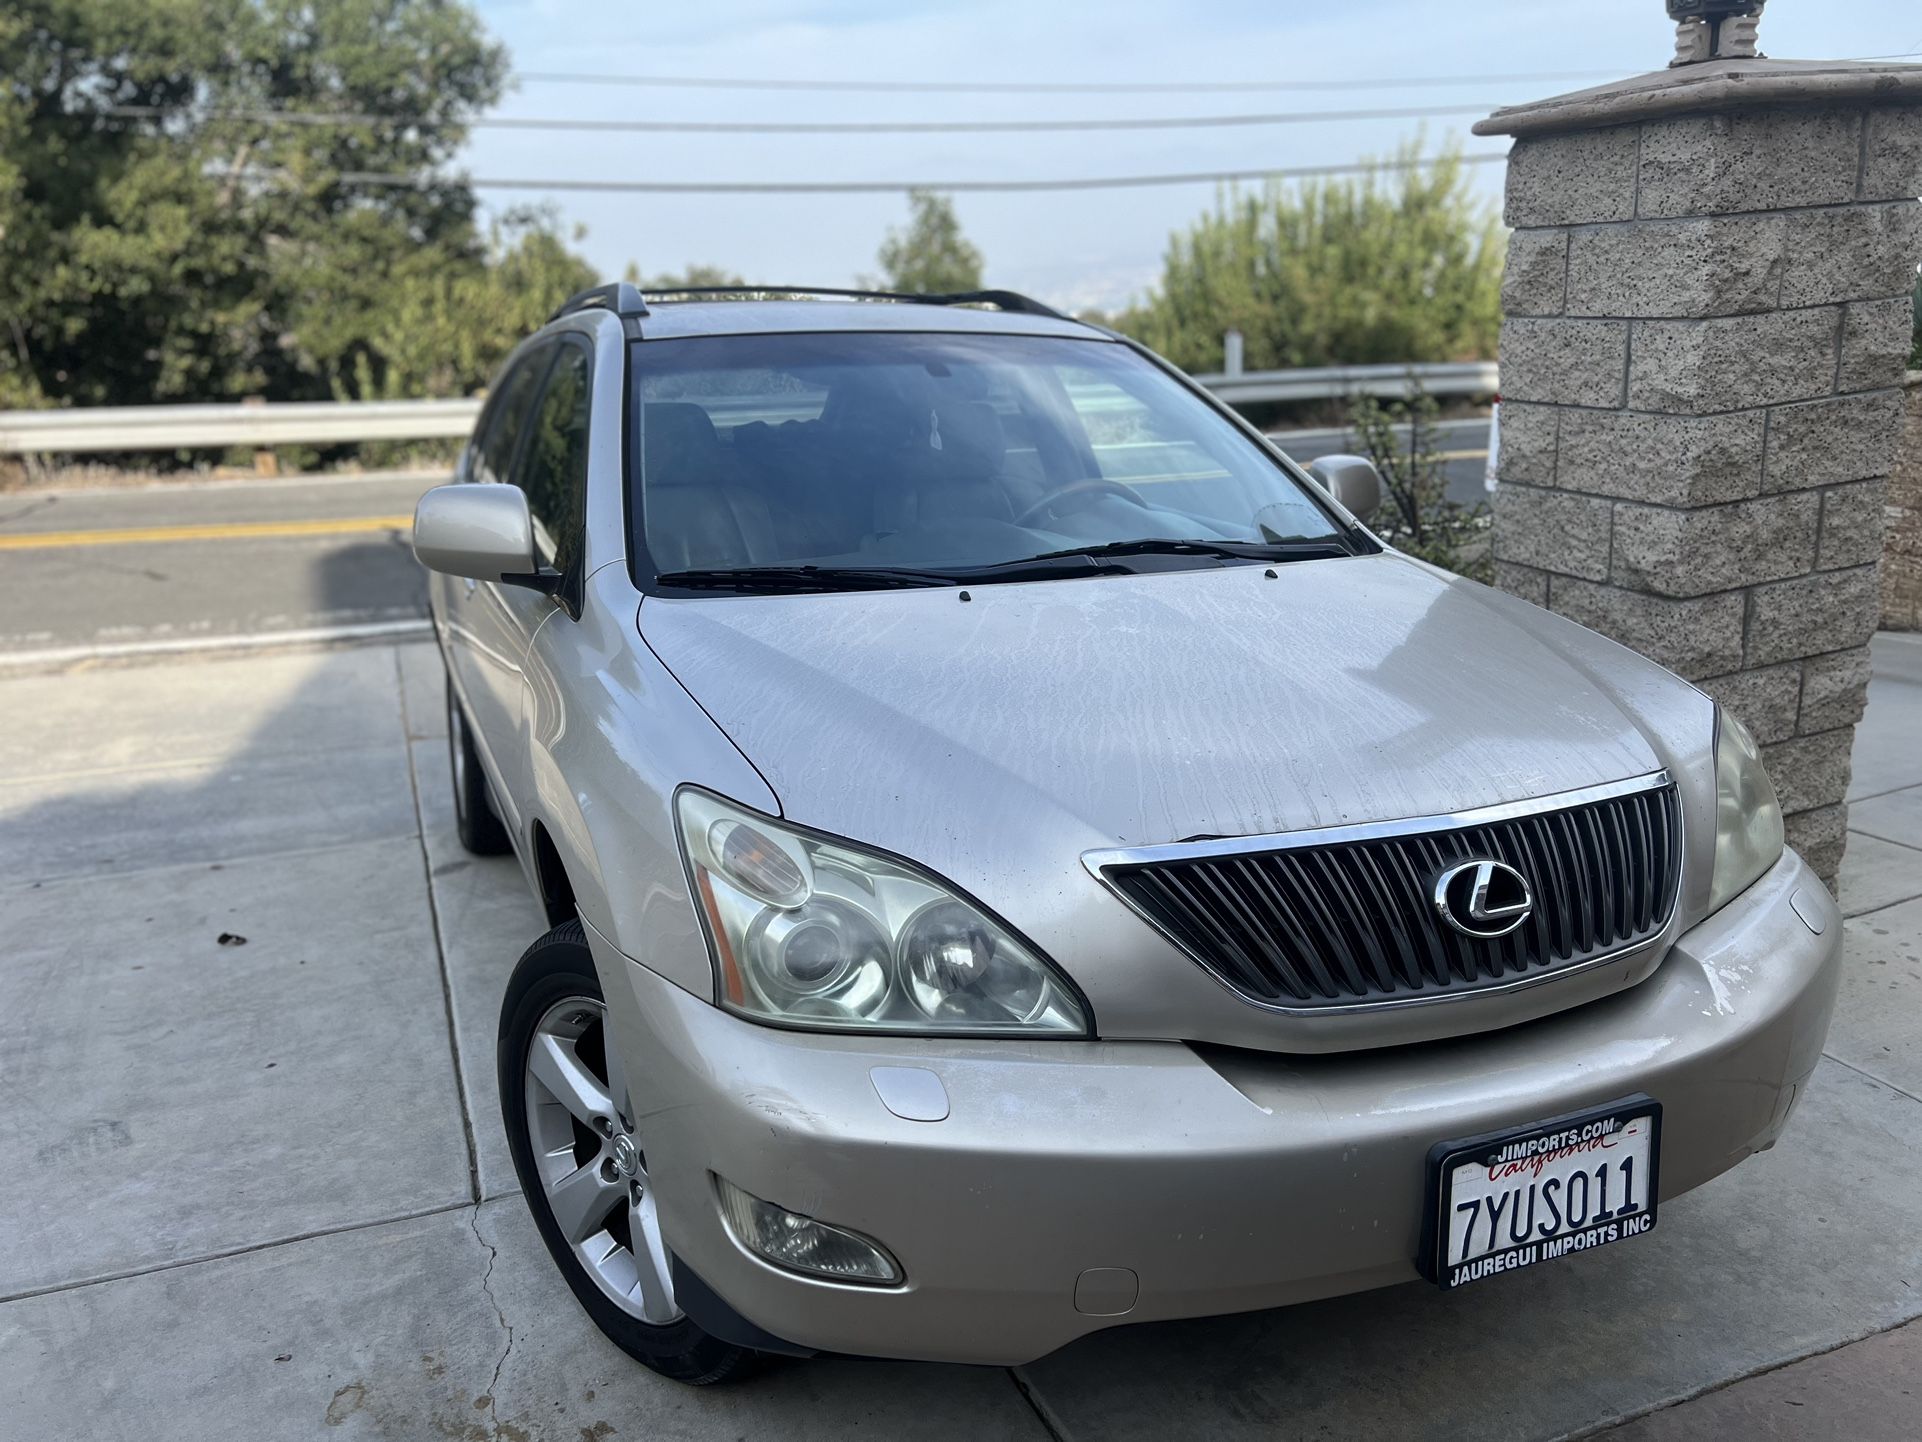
{"type": "Point", "coordinates": [507, 418]}
{"type": "Point", "coordinates": [553, 469]}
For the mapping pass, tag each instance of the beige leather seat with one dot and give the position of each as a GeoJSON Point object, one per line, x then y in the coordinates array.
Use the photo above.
{"type": "Point", "coordinates": [960, 481]}
{"type": "Point", "coordinates": [695, 511]}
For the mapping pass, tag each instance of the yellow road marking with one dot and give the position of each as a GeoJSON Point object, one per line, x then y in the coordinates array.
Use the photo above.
{"type": "Point", "coordinates": [1461, 455]}
{"type": "Point", "coordinates": [215, 531]}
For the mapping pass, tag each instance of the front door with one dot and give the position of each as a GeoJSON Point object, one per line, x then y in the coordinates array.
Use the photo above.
{"type": "Point", "coordinates": [551, 469]}
{"type": "Point", "coordinates": [487, 627]}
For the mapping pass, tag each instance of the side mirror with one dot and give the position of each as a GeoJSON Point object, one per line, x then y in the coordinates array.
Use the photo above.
{"type": "Point", "coordinates": [476, 529]}
{"type": "Point", "coordinates": [1351, 480]}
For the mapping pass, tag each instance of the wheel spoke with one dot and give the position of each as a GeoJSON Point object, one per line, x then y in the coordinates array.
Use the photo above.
{"type": "Point", "coordinates": [654, 1290]}
{"type": "Point", "coordinates": [582, 1200]}
{"type": "Point", "coordinates": [557, 1066]}
{"type": "Point", "coordinates": [616, 1075]}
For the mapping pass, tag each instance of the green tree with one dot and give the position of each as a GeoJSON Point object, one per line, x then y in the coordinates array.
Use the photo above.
{"type": "Point", "coordinates": [159, 240]}
{"type": "Point", "coordinates": [442, 330]}
{"type": "Point", "coordinates": [931, 255]}
{"type": "Point", "coordinates": [1401, 265]}
{"type": "Point", "coordinates": [17, 385]}
{"type": "Point", "coordinates": [695, 276]}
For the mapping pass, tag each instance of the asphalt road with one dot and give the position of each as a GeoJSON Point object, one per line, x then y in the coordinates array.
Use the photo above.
{"type": "Point", "coordinates": [165, 565]}
{"type": "Point", "coordinates": [109, 571]}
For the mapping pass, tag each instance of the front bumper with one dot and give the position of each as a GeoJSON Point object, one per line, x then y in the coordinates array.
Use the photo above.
{"type": "Point", "coordinates": [1223, 1181]}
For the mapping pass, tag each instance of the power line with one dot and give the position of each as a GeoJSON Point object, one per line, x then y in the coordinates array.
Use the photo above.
{"type": "Point", "coordinates": [853, 187]}
{"type": "Point", "coordinates": [1049, 87]}
{"type": "Point", "coordinates": [803, 127]}
{"type": "Point", "coordinates": [1011, 87]}
{"type": "Point", "coordinates": [884, 127]}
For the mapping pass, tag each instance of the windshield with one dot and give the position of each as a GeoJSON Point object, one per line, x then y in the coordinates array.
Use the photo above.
{"type": "Point", "coordinates": [943, 454]}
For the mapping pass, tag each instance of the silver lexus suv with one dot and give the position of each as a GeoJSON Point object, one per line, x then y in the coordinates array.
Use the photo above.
{"type": "Point", "coordinates": [1023, 858]}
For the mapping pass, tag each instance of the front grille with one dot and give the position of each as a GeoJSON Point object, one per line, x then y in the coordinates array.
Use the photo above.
{"type": "Point", "coordinates": [1348, 917]}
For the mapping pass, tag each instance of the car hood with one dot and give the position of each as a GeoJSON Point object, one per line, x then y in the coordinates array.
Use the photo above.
{"type": "Point", "coordinates": [1119, 711]}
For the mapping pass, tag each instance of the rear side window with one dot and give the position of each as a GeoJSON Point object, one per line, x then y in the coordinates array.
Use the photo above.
{"type": "Point", "coordinates": [553, 469]}
{"type": "Point", "coordinates": [506, 419]}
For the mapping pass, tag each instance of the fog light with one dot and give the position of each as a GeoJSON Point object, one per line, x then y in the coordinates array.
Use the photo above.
{"type": "Point", "coordinates": [802, 1244]}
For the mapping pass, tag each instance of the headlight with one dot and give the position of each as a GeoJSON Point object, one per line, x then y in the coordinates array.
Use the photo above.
{"type": "Point", "coordinates": [819, 933]}
{"type": "Point", "coordinates": [1748, 817]}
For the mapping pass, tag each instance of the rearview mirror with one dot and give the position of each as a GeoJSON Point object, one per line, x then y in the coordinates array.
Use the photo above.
{"type": "Point", "coordinates": [1352, 481]}
{"type": "Point", "coordinates": [476, 529]}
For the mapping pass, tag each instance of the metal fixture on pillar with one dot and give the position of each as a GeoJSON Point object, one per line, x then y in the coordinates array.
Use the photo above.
{"type": "Point", "coordinates": [1715, 30]}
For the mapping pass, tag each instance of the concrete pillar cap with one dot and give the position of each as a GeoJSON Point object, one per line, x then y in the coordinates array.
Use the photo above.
{"type": "Point", "coordinates": [1712, 85]}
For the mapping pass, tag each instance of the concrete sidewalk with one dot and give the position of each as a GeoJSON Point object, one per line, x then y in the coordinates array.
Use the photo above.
{"type": "Point", "coordinates": [257, 1185]}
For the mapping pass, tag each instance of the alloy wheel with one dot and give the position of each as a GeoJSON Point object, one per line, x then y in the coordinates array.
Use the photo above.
{"type": "Point", "coordinates": [593, 1173]}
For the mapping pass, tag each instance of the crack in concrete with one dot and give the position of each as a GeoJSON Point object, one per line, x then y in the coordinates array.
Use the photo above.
{"type": "Point", "coordinates": [1042, 1413]}
{"type": "Point", "coordinates": [487, 1286]}
{"type": "Point", "coordinates": [229, 1253]}
{"type": "Point", "coordinates": [1878, 909]}
{"type": "Point", "coordinates": [1864, 1072]}
{"type": "Point", "coordinates": [1599, 1429]}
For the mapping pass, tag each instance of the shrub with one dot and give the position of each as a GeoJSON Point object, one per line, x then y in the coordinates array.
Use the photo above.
{"type": "Point", "coordinates": [1417, 515]}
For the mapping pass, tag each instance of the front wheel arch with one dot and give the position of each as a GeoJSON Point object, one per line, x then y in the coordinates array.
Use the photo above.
{"type": "Point", "coordinates": [550, 876]}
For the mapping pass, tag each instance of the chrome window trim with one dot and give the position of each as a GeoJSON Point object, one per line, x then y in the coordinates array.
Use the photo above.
{"type": "Point", "coordinates": [1097, 862]}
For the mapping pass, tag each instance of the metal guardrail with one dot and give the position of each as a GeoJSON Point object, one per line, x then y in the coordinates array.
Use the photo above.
{"type": "Point", "coordinates": [268, 423]}
{"type": "Point", "coordinates": [1438, 378]}
{"type": "Point", "coordinates": [272, 423]}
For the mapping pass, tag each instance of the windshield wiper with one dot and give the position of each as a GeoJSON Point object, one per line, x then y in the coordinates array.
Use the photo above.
{"type": "Point", "coordinates": [1101, 559]}
{"type": "Point", "coordinates": [1300, 549]}
{"type": "Point", "coordinates": [883, 578]}
{"type": "Point", "coordinates": [803, 578]}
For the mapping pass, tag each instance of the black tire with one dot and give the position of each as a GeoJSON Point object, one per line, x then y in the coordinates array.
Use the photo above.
{"type": "Point", "coordinates": [554, 969]}
{"type": "Point", "coordinates": [481, 832]}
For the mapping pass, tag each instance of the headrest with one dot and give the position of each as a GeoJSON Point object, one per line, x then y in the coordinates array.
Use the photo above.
{"type": "Point", "coordinates": [679, 424]}
{"type": "Point", "coordinates": [972, 431]}
{"type": "Point", "coordinates": [677, 438]}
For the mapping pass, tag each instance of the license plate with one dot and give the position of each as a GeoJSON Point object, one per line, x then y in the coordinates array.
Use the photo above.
{"type": "Point", "coordinates": [1510, 1199]}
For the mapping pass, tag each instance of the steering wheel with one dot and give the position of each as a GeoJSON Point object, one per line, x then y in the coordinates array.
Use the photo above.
{"type": "Point", "coordinates": [1089, 489]}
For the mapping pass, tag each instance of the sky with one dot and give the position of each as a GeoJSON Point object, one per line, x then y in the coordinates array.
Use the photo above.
{"type": "Point", "coordinates": [1078, 248]}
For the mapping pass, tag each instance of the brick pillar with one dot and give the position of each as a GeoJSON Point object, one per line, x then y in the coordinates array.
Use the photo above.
{"type": "Point", "coordinates": [1902, 551]}
{"type": "Point", "coordinates": [1707, 317]}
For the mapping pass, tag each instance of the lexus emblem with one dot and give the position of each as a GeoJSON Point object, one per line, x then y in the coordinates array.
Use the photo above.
{"type": "Point", "coordinates": [1483, 899]}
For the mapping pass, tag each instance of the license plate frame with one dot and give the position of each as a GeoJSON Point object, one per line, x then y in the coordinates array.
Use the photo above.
{"type": "Point", "coordinates": [1445, 1156]}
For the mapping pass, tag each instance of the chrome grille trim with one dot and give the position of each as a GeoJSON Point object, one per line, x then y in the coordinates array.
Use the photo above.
{"type": "Point", "coordinates": [1342, 928]}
